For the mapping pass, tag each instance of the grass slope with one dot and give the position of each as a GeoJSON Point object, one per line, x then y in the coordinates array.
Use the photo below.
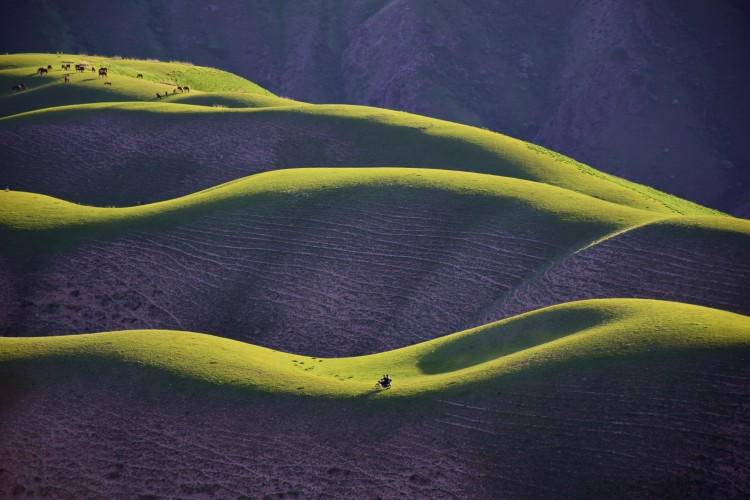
{"type": "Point", "coordinates": [31, 212]}
{"type": "Point", "coordinates": [579, 332]}
{"type": "Point", "coordinates": [364, 260]}
{"type": "Point", "coordinates": [163, 77]}
{"type": "Point", "coordinates": [382, 137]}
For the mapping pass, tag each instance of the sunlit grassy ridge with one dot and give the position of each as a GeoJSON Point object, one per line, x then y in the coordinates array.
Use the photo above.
{"type": "Point", "coordinates": [28, 211]}
{"type": "Point", "coordinates": [570, 219]}
{"type": "Point", "coordinates": [163, 77]}
{"type": "Point", "coordinates": [577, 332]}
{"type": "Point", "coordinates": [419, 142]}
{"type": "Point", "coordinates": [179, 73]}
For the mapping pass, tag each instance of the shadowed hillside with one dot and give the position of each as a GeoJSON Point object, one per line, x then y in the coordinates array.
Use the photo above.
{"type": "Point", "coordinates": [589, 398]}
{"type": "Point", "coordinates": [651, 91]}
{"type": "Point", "coordinates": [139, 220]}
{"type": "Point", "coordinates": [361, 260]}
{"type": "Point", "coordinates": [146, 152]}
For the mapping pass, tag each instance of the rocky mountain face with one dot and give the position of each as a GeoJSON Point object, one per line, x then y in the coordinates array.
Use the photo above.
{"type": "Point", "coordinates": [650, 91]}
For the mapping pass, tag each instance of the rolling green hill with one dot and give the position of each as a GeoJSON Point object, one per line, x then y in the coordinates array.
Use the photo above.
{"type": "Point", "coordinates": [364, 259]}
{"type": "Point", "coordinates": [50, 90]}
{"type": "Point", "coordinates": [574, 333]}
{"type": "Point", "coordinates": [231, 143]}
{"type": "Point", "coordinates": [141, 220]}
{"type": "Point", "coordinates": [28, 211]}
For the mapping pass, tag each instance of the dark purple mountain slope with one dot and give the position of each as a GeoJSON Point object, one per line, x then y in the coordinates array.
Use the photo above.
{"type": "Point", "coordinates": [652, 91]}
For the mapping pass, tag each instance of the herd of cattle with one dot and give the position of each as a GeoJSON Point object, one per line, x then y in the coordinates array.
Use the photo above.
{"type": "Point", "coordinates": [81, 68]}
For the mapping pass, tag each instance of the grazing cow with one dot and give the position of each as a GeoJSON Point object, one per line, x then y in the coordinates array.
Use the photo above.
{"type": "Point", "coordinates": [108, 83]}
{"type": "Point", "coordinates": [18, 88]}
{"type": "Point", "coordinates": [139, 75]}
{"type": "Point", "coordinates": [42, 71]}
{"type": "Point", "coordinates": [186, 89]}
{"type": "Point", "coordinates": [158, 96]}
{"type": "Point", "coordinates": [179, 89]}
{"type": "Point", "coordinates": [174, 91]}
{"type": "Point", "coordinates": [67, 78]}
{"type": "Point", "coordinates": [102, 72]}
{"type": "Point", "coordinates": [80, 68]}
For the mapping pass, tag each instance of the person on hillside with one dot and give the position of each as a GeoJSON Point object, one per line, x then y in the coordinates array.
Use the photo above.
{"type": "Point", "coordinates": [385, 382]}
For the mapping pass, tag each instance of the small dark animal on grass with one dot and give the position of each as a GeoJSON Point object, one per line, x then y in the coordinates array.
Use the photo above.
{"type": "Point", "coordinates": [18, 88]}
{"type": "Point", "coordinates": [179, 89]}
{"type": "Point", "coordinates": [67, 78]}
{"type": "Point", "coordinates": [108, 83]}
{"type": "Point", "coordinates": [139, 75]}
{"type": "Point", "coordinates": [186, 89]}
{"type": "Point", "coordinates": [66, 66]}
{"type": "Point", "coordinates": [42, 71]}
{"type": "Point", "coordinates": [102, 71]}
{"type": "Point", "coordinates": [93, 69]}
{"type": "Point", "coordinates": [80, 68]}
{"type": "Point", "coordinates": [49, 67]}
{"type": "Point", "coordinates": [158, 96]}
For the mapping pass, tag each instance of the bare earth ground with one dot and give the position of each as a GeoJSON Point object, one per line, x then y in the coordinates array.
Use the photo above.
{"type": "Point", "coordinates": [116, 159]}
{"type": "Point", "coordinates": [670, 263]}
{"type": "Point", "coordinates": [653, 91]}
{"type": "Point", "coordinates": [332, 274]}
{"type": "Point", "coordinates": [675, 426]}
{"type": "Point", "coordinates": [355, 272]}
{"type": "Point", "coordinates": [108, 158]}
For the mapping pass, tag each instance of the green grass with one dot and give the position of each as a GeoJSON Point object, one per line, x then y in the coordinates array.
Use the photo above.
{"type": "Point", "coordinates": [578, 332]}
{"type": "Point", "coordinates": [233, 100]}
{"type": "Point", "coordinates": [29, 211]}
{"type": "Point", "coordinates": [530, 179]}
{"type": "Point", "coordinates": [200, 77]}
{"type": "Point", "coordinates": [415, 140]}
{"type": "Point", "coordinates": [51, 90]}
{"type": "Point", "coordinates": [569, 220]}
